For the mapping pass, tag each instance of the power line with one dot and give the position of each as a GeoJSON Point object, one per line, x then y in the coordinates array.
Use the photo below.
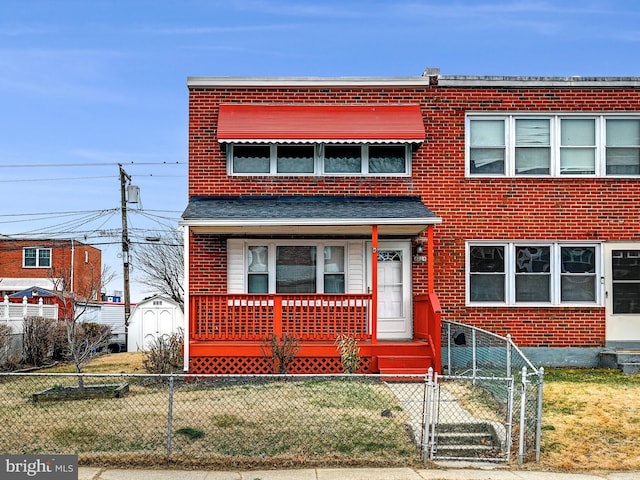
{"type": "Point", "coordinates": [105, 164]}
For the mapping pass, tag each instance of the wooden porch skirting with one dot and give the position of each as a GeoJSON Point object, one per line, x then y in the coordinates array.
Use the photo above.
{"type": "Point", "coordinates": [262, 365]}
{"type": "Point", "coordinates": [252, 358]}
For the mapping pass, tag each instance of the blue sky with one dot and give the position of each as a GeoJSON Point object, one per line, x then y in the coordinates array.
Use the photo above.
{"type": "Point", "coordinates": [88, 84]}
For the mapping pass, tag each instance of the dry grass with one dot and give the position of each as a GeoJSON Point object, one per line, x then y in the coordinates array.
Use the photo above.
{"type": "Point", "coordinates": [128, 362]}
{"type": "Point", "coordinates": [591, 421]}
{"type": "Point", "coordinates": [307, 422]}
{"type": "Point", "coordinates": [591, 418]}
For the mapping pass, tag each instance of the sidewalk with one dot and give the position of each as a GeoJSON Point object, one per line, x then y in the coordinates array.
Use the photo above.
{"type": "Point", "coordinates": [91, 473]}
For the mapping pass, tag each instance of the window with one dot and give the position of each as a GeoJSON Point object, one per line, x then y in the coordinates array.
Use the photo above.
{"type": "Point", "coordinates": [577, 146]}
{"type": "Point", "coordinates": [37, 257]}
{"type": "Point", "coordinates": [533, 148]}
{"type": "Point", "coordinates": [487, 151]}
{"type": "Point", "coordinates": [258, 273]}
{"type": "Point", "coordinates": [533, 273]}
{"type": "Point", "coordinates": [319, 159]}
{"type": "Point", "coordinates": [251, 159]}
{"type": "Point", "coordinates": [295, 268]}
{"type": "Point", "coordinates": [295, 158]}
{"type": "Point", "coordinates": [626, 281]}
{"type": "Point", "coordinates": [623, 147]}
{"type": "Point", "coordinates": [334, 269]}
{"type": "Point", "coordinates": [553, 145]}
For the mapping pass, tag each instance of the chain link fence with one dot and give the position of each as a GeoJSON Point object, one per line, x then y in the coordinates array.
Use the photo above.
{"type": "Point", "coordinates": [485, 405]}
{"type": "Point", "coordinates": [223, 421]}
{"type": "Point", "coordinates": [497, 385]}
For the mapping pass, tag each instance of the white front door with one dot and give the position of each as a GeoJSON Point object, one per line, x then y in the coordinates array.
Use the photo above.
{"type": "Point", "coordinates": [622, 273]}
{"type": "Point", "coordinates": [394, 290]}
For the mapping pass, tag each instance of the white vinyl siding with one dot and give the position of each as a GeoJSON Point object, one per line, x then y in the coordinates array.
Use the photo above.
{"type": "Point", "coordinates": [236, 265]}
{"type": "Point", "coordinates": [356, 279]}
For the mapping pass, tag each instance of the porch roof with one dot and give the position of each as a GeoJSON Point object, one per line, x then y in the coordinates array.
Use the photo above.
{"type": "Point", "coordinates": [308, 215]}
{"type": "Point", "coordinates": [326, 123]}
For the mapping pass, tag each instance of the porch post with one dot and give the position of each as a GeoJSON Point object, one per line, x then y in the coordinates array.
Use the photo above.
{"type": "Point", "coordinates": [187, 299]}
{"type": "Point", "coordinates": [430, 260]}
{"type": "Point", "coordinates": [374, 283]}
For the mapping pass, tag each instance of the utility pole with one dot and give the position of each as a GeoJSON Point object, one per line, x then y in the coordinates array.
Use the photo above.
{"type": "Point", "coordinates": [125, 254]}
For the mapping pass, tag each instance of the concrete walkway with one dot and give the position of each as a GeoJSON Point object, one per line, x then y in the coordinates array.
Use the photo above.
{"type": "Point", "coordinates": [90, 473]}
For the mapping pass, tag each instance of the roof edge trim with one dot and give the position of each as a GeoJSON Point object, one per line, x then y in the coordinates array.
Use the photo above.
{"type": "Point", "coordinates": [531, 81]}
{"type": "Point", "coordinates": [244, 222]}
{"type": "Point", "coordinates": [305, 81]}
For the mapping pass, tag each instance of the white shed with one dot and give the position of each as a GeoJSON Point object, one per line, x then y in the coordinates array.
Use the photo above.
{"type": "Point", "coordinates": [152, 318]}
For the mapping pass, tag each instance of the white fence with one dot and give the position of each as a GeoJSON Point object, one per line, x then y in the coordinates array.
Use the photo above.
{"type": "Point", "coordinates": [15, 313]}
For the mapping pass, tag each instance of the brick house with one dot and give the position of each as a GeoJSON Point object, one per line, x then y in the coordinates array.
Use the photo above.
{"type": "Point", "coordinates": [53, 264]}
{"type": "Point", "coordinates": [373, 206]}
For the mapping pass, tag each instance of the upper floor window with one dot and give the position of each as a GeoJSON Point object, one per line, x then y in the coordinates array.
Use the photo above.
{"type": "Point", "coordinates": [36, 257]}
{"type": "Point", "coordinates": [554, 145]}
{"type": "Point", "coordinates": [319, 159]}
{"type": "Point", "coordinates": [527, 273]}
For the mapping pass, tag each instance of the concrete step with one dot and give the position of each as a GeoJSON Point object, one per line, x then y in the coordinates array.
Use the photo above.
{"type": "Point", "coordinates": [629, 368]}
{"type": "Point", "coordinates": [465, 451]}
{"type": "Point", "coordinates": [404, 364]}
{"type": "Point", "coordinates": [465, 438]}
{"type": "Point", "coordinates": [626, 360]}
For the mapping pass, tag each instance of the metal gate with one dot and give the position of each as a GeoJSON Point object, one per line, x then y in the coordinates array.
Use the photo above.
{"type": "Point", "coordinates": [467, 418]}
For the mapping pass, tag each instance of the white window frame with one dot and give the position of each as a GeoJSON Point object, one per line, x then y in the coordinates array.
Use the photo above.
{"type": "Point", "coordinates": [37, 250]}
{"type": "Point", "coordinates": [555, 271]}
{"type": "Point", "coordinates": [600, 169]}
{"type": "Point", "coordinates": [319, 160]}
{"type": "Point", "coordinates": [271, 261]}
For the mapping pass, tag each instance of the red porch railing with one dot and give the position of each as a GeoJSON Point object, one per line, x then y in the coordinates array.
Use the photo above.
{"type": "Point", "coordinates": [257, 317]}
{"type": "Point", "coordinates": [427, 323]}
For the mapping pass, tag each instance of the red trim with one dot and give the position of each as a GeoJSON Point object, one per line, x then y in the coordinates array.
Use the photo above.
{"type": "Point", "coordinates": [402, 123]}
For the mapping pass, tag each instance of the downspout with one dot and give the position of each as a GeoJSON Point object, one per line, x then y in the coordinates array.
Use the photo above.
{"type": "Point", "coordinates": [374, 284]}
{"type": "Point", "coordinates": [187, 300]}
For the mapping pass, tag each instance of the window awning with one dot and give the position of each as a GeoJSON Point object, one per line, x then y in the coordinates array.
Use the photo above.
{"type": "Point", "coordinates": [315, 215]}
{"type": "Point", "coordinates": [320, 123]}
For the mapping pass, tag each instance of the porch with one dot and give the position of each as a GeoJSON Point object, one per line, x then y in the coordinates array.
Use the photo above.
{"type": "Point", "coordinates": [230, 333]}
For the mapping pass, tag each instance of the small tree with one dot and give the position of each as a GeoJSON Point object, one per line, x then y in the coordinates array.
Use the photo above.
{"type": "Point", "coordinates": [83, 340]}
{"type": "Point", "coordinates": [161, 264]}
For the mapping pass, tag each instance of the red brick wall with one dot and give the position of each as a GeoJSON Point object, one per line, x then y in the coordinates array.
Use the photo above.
{"type": "Point", "coordinates": [87, 262]}
{"type": "Point", "coordinates": [553, 209]}
{"type": "Point", "coordinates": [207, 264]}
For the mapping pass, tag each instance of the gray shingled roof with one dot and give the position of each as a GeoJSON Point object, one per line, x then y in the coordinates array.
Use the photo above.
{"type": "Point", "coordinates": [256, 207]}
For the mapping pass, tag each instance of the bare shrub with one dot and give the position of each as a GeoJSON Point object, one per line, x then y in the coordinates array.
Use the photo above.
{"type": "Point", "coordinates": [36, 343]}
{"type": "Point", "coordinates": [349, 352]}
{"type": "Point", "coordinates": [164, 354]}
{"type": "Point", "coordinates": [59, 342]}
{"type": "Point", "coordinates": [6, 357]}
{"type": "Point", "coordinates": [282, 351]}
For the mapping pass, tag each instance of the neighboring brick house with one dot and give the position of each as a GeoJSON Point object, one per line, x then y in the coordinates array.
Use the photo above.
{"type": "Point", "coordinates": [511, 202]}
{"type": "Point", "coordinates": [57, 265]}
